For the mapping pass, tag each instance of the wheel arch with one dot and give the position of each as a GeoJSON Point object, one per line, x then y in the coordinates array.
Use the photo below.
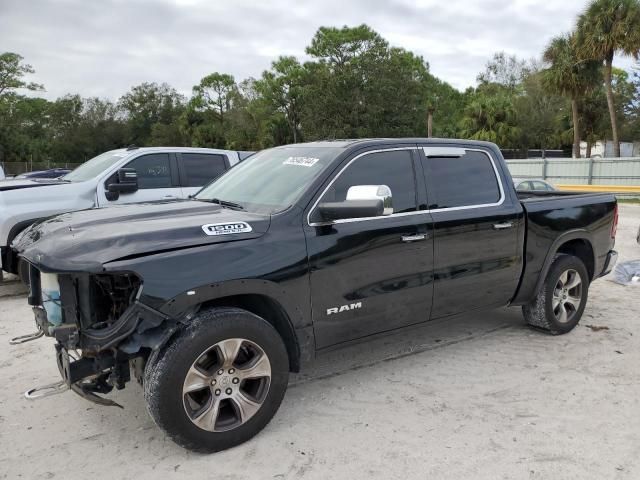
{"type": "Point", "coordinates": [271, 310]}
{"type": "Point", "coordinates": [11, 261]}
{"type": "Point", "coordinates": [577, 243]}
{"type": "Point", "coordinates": [287, 312]}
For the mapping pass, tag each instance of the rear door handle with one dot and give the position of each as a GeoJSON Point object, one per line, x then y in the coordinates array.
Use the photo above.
{"type": "Point", "coordinates": [414, 238]}
{"type": "Point", "coordinates": [502, 226]}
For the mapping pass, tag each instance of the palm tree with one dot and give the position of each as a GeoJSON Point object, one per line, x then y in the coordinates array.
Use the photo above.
{"type": "Point", "coordinates": [490, 115]}
{"type": "Point", "coordinates": [608, 27]}
{"type": "Point", "coordinates": [570, 77]}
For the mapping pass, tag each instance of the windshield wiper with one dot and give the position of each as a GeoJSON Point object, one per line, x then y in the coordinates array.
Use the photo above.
{"type": "Point", "coordinates": [224, 203]}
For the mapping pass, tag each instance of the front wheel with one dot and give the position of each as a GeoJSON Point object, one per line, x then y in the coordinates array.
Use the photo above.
{"type": "Point", "coordinates": [560, 303]}
{"type": "Point", "coordinates": [219, 382]}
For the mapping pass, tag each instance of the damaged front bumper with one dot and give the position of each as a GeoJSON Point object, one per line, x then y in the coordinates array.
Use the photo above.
{"type": "Point", "coordinates": [101, 329]}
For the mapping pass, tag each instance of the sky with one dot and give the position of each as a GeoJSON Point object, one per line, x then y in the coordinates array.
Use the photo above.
{"type": "Point", "coordinates": [103, 48]}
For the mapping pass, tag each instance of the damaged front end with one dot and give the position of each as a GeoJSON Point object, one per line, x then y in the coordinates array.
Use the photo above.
{"type": "Point", "coordinates": [102, 329]}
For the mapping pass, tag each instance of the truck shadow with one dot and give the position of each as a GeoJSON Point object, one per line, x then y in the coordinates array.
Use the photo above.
{"type": "Point", "coordinates": [409, 341]}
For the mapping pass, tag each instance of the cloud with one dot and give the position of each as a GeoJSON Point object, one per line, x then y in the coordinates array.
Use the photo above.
{"type": "Point", "coordinates": [104, 48]}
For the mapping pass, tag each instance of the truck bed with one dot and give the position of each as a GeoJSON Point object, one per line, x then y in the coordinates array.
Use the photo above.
{"type": "Point", "coordinates": [561, 218]}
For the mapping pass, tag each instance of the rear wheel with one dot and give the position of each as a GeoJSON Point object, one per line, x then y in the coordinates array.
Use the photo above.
{"type": "Point", "coordinates": [561, 301]}
{"type": "Point", "coordinates": [219, 382]}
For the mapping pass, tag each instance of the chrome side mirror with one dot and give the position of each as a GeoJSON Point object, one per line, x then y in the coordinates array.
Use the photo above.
{"type": "Point", "coordinates": [372, 192]}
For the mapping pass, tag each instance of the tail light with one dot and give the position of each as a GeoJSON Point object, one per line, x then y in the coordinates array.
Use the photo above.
{"type": "Point", "coordinates": [614, 227]}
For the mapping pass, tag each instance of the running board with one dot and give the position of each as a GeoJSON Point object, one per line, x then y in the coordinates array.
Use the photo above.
{"type": "Point", "coordinates": [46, 390]}
{"type": "Point", "coordinates": [26, 338]}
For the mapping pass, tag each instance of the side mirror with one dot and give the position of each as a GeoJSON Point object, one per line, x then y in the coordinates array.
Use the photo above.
{"type": "Point", "coordinates": [361, 201]}
{"type": "Point", "coordinates": [373, 192]}
{"type": "Point", "coordinates": [330, 211]}
{"type": "Point", "coordinates": [127, 182]}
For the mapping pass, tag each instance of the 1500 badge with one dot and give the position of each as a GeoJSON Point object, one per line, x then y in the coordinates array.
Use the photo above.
{"type": "Point", "coordinates": [226, 228]}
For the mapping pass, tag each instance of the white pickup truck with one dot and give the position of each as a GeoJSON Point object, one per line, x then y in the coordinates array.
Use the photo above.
{"type": "Point", "coordinates": [128, 175]}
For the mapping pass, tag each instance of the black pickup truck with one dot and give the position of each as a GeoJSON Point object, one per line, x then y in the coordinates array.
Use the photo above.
{"type": "Point", "coordinates": [211, 302]}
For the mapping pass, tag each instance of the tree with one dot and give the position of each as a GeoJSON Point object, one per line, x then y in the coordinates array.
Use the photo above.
{"type": "Point", "coordinates": [504, 70]}
{"type": "Point", "coordinates": [339, 47]}
{"type": "Point", "coordinates": [214, 92]}
{"type": "Point", "coordinates": [490, 115]}
{"type": "Point", "coordinates": [147, 105]}
{"type": "Point", "coordinates": [606, 28]}
{"type": "Point", "coordinates": [633, 109]}
{"type": "Point", "coordinates": [358, 86]}
{"type": "Point", "coordinates": [337, 96]}
{"type": "Point", "coordinates": [12, 71]}
{"type": "Point", "coordinates": [539, 114]}
{"type": "Point", "coordinates": [445, 104]}
{"type": "Point", "coordinates": [569, 76]}
{"type": "Point", "coordinates": [282, 88]}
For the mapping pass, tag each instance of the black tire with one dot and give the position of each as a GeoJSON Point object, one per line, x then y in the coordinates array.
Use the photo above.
{"type": "Point", "coordinates": [540, 312]}
{"type": "Point", "coordinates": [166, 371]}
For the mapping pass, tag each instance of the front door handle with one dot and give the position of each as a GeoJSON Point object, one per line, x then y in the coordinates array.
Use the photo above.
{"type": "Point", "coordinates": [502, 226]}
{"type": "Point", "coordinates": [414, 238]}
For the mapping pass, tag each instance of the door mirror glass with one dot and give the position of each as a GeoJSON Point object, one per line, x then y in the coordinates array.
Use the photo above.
{"type": "Point", "coordinates": [373, 192]}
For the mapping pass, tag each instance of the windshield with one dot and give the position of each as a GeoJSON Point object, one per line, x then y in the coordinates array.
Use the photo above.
{"type": "Point", "coordinates": [272, 180]}
{"type": "Point", "coordinates": [92, 168]}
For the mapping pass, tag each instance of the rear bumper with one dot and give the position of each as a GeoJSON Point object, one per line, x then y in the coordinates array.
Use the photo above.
{"type": "Point", "coordinates": [610, 262]}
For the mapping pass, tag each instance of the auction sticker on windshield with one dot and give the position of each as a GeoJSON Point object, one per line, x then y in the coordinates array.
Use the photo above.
{"type": "Point", "coordinates": [226, 228]}
{"type": "Point", "coordinates": [302, 161]}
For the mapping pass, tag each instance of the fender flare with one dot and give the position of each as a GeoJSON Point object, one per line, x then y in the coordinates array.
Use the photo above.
{"type": "Point", "coordinates": [20, 226]}
{"type": "Point", "coordinates": [10, 260]}
{"type": "Point", "coordinates": [298, 326]}
{"type": "Point", "coordinates": [578, 234]}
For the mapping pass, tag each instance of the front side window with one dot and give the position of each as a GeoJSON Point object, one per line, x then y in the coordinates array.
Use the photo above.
{"type": "Point", "coordinates": [466, 181]}
{"type": "Point", "coordinates": [393, 168]}
{"type": "Point", "coordinates": [201, 168]}
{"type": "Point", "coordinates": [154, 171]}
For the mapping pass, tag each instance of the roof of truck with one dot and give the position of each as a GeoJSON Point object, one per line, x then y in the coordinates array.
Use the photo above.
{"type": "Point", "coordinates": [344, 143]}
{"type": "Point", "coordinates": [134, 148]}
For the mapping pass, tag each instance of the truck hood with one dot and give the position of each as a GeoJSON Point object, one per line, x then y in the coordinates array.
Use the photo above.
{"type": "Point", "coordinates": [28, 183]}
{"type": "Point", "coordinates": [84, 241]}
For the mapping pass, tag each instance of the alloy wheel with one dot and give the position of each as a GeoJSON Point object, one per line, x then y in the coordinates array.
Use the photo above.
{"type": "Point", "coordinates": [226, 385]}
{"type": "Point", "coordinates": [567, 296]}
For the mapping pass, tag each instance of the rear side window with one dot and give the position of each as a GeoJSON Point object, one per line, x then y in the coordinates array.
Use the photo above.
{"type": "Point", "coordinates": [393, 169]}
{"type": "Point", "coordinates": [154, 171]}
{"type": "Point", "coordinates": [201, 168]}
{"type": "Point", "coordinates": [464, 181]}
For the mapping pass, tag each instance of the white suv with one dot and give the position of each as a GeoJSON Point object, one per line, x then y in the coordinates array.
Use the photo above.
{"type": "Point", "coordinates": [119, 176]}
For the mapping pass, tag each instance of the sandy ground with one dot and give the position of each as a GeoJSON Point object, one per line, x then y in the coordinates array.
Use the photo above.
{"type": "Point", "coordinates": [478, 397]}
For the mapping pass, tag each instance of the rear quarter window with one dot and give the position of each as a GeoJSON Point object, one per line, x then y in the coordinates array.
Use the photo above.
{"type": "Point", "coordinates": [469, 180]}
{"type": "Point", "coordinates": [201, 168]}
